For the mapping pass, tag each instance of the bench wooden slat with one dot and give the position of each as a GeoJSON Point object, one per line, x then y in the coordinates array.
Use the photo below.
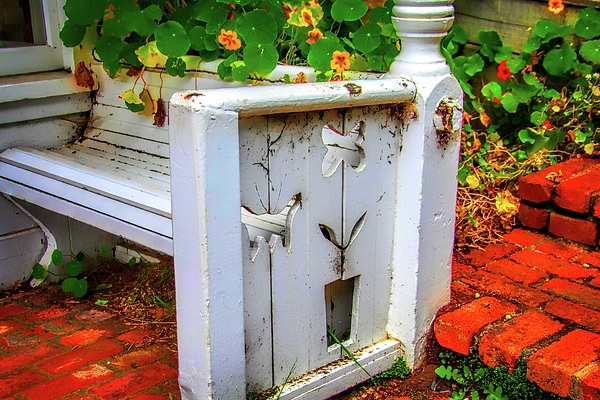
{"type": "Point", "coordinates": [126, 142]}
{"type": "Point", "coordinates": [107, 182]}
{"type": "Point", "coordinates": [127, 153]}
{"type": "Point", "coordinates": [121, 120]}
{"type": "Point", "coordinates": [86, 155]}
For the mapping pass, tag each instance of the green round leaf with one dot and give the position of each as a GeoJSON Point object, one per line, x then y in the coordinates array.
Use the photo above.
{"type": "Point", "coordinates": [257, 26]}
{"type": "Point", "coordinates": [492, 90]}
{"type": "Point", "coordinates": [588, 13]}
{"type": "Point", "coordinates": [260, 59]}
{"type": "Point", "coordinates": [460, 35]}
{"type": "Point", "coordinates": [80, 288]}
{"type": "Point", "coordinates": [208, 56]}
{"type": "Point", "coordinates": [218, 18]}
{"type": "Point", "coordinates": [537, 118]}
{"type": "Point", "coordinates": [204, 9]}
{"type": "Point", "coordinates": [109, 47]}
{"type": "Point", "coordinates": [587, 29]}
{"type": "Point", "coordinates": [135, 107]}
{"type": "Point", "coordinates": [210, 43]}
{"type": "Point", "coordinates": [375, 63]}
{"type": "Point", "coordinates": [143, 22]}
{"type": "Point", "coordinates": [112, 68]}
{"type": "Point", "coordinates": [509, 103]}
{"type": "Point", "coordinates": [80, 256]}
{"type": "Point", "coordinates": [348, 10]}
{"type": "Point", "coordinates": [68, 285]}
{"type": "Point", "coordinates": [132, 261]}
{"type": "Point", "coordinates": [223, 70]}
{"type": "Point", "coordinates": [590, 51]}
{"type": "Point", "coordinates": [73, 268]}
{"type": "Point", "coordinates": [171, 39]}
{"type": "Point", "coordinates": [57, 257]}
{"type": "Point", "coordinates": [532, 44]}
{"type": "Point", "coordinates": [104, 250]}
{"type": "Point", "coordinates": [545, 28]}
{"type": "Point", "coordinates": [240, 73]}
{"type": "Point", "coordinates": [175, 67]}
{"type": "Point", "coordinates": [380, 14]}
{"type": "Point", "coordinates": [196, 35]}
{"type": "Point", "coordinates": [515, 65]}
{"type": "Point", "coordinates": [85, 12]}
{"type": "Point", "coordinates": [321, 53]}
{"type": "Point", "coordinates": [72, 34]}
{"type": "Point", "coordinates": [38, 271]}
{"type": "Point", "coordinates": [366, 38]}
{"type": "Point", "coordinates": [560, 61]}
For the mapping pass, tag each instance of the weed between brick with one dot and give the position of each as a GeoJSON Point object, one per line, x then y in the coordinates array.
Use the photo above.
{"type": "Point", "coordinates": [471, 377]}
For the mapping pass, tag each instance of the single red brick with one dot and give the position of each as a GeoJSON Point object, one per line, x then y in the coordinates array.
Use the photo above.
{"type": "Point", "coordinates": [68, 383]}
{"type": "Point", "coordinates": [479, 258]}
{"type": "Point", "coordinates": [136, 359]}
{"type": "Point", "coordinates": [134, 382]}
{"type": "Point", "coordinates": [9, 326]}
{"type": "Point", "coordinates": [532, 217]}
{"type": "Point", "coordinates": [575, 313]}
{"type": "Point", "coordinates": [59, 327]}
{"type": "Point", "coordinates": [18, 381]}
{"type": "Point", "coordinates": [553, 366]}
{"type": "Point", "coordinates": [592, 258]}
{"type": "Point", "coordinates": [559, 249]}
{"type": "Point", "coordinates": [504, 287]}
{"type": "Point", "coordinates": [590, 383]}
{"type": "Point", "coordinates": [575, 194]}
{"type": "Point", "coordinates": [135, 336]}
{"type": "Point", "coordinates": [40, 298]}
{"type": "Point", "coordinates": [456, 329]}
{"type": "Point", "coordinates": [573, 291]}
{"type": "Point", "coordinates": [19, 359]}
{"type": "Point", "coordinates": [516, 271]}
{"type": "Point", "coordinates": [458, 287]}
{"type": "Point", "coordinates": [551, 264]}
{"type": "Point", "coordinates": [459, 269]}
{"type": "Point", "coordinates": [80, 357]}
{"type": "Point", "coordinates": [25, 337]}
{"type": "Point", "coordinates": [523, 237]}
{"type": "Point", "coordinates": [595, 282]}
{"type": "Point", "coordinates": [82, 338]}
{"type": "Point", "coordinates": [12, 309]}
{"type": "Point", "coordinates": [503, 344]}
{"type": "Point", "coordinates": [536, 188]}
{"type": "Point", "coordinates": [169, 388]}
{"type": "Point", "coordinates": [51, 312]}
{"type": "Point", "coordinates": [93, 316]}
{"type": "Point", "coordinates": [575, 229]}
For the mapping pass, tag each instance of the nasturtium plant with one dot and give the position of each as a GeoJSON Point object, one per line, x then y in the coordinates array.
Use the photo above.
{"type": "Point", "coordinates": [254, 36]}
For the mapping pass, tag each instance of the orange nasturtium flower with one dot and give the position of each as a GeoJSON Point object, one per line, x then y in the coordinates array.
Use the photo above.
{"type": "Point", "coordinates": [340, 61]}
{"type": "Point", "coordinates": [315, 35]}
{"type": "Point", "coordinates": [555, 6]}
{"type": "Point", "coordinates": [230, 40]}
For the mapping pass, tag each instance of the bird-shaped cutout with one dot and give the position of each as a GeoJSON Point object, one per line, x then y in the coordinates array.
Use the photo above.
{"type": "Point", "coordinates": [343, 147]}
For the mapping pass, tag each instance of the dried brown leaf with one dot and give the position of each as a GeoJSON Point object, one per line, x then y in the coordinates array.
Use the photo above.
{"type": "Point", "coordinates": [83, 76]}
{"type": "Point", "coordinates": [159, 116]}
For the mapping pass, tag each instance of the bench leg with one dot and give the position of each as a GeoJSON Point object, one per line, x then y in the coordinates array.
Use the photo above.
{"type": "Point", "coordinates": [205, 184]}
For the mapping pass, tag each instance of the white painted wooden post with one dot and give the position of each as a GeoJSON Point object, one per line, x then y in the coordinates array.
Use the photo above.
{"type": "Point", "coordinates": [427, 168]}
{"type": "Point", "coordinates": [207, 236]}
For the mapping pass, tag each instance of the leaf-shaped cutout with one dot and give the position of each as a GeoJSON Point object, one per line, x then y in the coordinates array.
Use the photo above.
{"type": "Point", "coordinates": [357, 228]}
{"type": "Point", "coordinates": [329, 234]}
{"type": "Point", "coordinates": [149, 104]}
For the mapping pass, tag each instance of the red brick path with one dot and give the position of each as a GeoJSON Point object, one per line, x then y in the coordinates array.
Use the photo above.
{"type": "Point", "coordinates": [532, 293]}
{"type": "Point", "coordinates": [71, 352]}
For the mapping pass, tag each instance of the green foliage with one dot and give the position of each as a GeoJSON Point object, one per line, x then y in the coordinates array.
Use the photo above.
{"type": "Point", "coordinates": [259, 34]}
{"type": "Point", "coordinates": [522, 111]}
{"type": "Point", "coordinates": [478, 381]}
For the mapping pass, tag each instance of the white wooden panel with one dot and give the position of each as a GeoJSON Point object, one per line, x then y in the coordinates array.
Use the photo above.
{"type": "Point", "coordinates": [12, 219]}
{"type": "Point", "coordinates": [254, 164]}
{"type": "Point", "coordinates": [46, 133]}
{"type": "Point", "coordinates": [257, 313]}
{"type": "Point", "coordinates": [89, 216]}
{"type": "Point", "coordinates": [56, 167]}
{"type": "Point", "coordinates": [19, 251]}
{"type": "Point", "coordinates": [44, 108]}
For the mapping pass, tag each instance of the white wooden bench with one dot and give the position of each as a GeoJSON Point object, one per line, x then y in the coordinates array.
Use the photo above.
{"type": "Point", "coordinates": [351, 186]}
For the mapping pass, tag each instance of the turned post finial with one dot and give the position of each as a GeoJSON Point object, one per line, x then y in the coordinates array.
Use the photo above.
{"type": "Point", "coordinates": [421, 25]}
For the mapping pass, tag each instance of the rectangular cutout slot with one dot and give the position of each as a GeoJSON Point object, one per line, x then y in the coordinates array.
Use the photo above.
{"type": "Point", "coordinates": [339, 299]}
